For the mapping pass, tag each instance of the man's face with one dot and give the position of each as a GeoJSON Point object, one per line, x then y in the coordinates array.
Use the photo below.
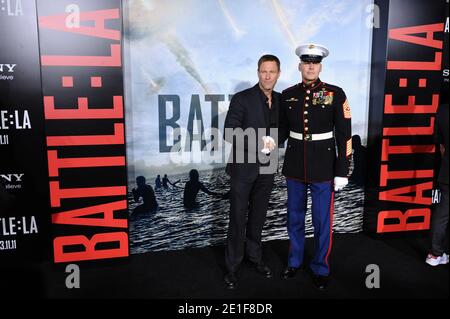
{"type": "Point", "coordinates": [310, 70]}
{"type": "Point", "coordinates": [268, 74]}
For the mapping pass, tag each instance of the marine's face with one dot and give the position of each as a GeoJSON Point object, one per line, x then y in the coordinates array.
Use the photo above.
{"type": "Point", "coordinates": [310, 70]}
{"type": "Point", "coordinates": [268, 74]}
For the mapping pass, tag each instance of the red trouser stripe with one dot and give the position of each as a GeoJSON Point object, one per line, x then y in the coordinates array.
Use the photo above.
{"type": "Point", "coordinates": [331, 228]}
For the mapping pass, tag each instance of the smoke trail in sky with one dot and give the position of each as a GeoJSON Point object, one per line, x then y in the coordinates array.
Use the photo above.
{"type": "Point", "coordinates": [152, 22]}
{"type": "Point", "coordinates": [238, 32]}
{"type": "Point", "coordinates": [284, 22]}
{"type": "Point", "coordinates": [183, 58]}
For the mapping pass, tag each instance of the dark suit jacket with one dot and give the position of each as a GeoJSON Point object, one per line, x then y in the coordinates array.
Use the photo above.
{"type": "Point", "coordinates": [249, 110]}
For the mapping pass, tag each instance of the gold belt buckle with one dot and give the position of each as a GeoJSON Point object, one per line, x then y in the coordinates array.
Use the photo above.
{"type": "Point", "coordinates": [307, 137]}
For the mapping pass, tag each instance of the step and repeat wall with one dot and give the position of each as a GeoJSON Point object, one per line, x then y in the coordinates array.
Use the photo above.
{"type": "Point", "coordinates": [24, 191]}
{"type": "Point", "coordinates": [98, 97]}
{"type": "Point", "coordinates": [63, 166]}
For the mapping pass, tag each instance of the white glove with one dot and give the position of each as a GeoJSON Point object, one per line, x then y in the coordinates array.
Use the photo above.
{"type": "Point", "coordinates": [269, 144]}
{"type": "Point", "coordinates": [339, 183]}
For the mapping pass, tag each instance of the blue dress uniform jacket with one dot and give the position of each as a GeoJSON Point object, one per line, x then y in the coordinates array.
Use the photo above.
{"type": "Point", "coordinates": [315, 109]}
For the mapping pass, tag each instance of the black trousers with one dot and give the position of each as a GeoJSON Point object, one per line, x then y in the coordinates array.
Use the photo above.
{"type": "Point", "coordinates": [244, 232]}
{"type": "Point", "coordinates": [439, 223]}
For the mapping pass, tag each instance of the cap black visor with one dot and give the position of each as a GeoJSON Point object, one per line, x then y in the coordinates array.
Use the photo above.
{"type": "Point", "coordinates": [311, 58]}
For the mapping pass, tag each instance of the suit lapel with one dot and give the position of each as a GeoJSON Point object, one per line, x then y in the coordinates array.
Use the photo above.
{"type": "Point", "coordinates": [262, 109]}
{"type": "Point", "coordinates": [275, 106]}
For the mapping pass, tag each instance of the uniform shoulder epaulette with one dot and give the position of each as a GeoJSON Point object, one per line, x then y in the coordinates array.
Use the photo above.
{"type": "Point", "coordinates": [331, 87]}
{"type": "Point", "coordinates": [290, 88]}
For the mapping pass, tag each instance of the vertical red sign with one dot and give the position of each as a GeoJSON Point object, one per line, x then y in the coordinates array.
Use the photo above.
{"type": "Point", "coordinates": [82, 79]}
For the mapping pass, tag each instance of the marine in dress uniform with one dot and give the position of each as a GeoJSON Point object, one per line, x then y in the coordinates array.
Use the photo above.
{"type": "Point", "coordinates": [316, 121]}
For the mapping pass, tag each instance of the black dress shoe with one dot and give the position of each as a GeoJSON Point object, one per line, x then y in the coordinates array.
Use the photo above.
{"type": "Point", "coordinates": [263, 270]}
{"type": "Point", "coordinates": [321, 282]}
{"type": "Point", "coordinates": [230, 280]}
{"type": "Point", "coordinates": [289, 272]}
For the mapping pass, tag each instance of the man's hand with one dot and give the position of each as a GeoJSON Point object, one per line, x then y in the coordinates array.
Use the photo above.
{"type": "Point", "coordinates": [269, 144]}
{"type": "Point", "coordinates": [339, 183]}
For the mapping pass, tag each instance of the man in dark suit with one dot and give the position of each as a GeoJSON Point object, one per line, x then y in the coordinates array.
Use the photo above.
{"type": "Point", "coordinates": [250, 126]}
{"type": "Point", "coordinates": [315, 116]}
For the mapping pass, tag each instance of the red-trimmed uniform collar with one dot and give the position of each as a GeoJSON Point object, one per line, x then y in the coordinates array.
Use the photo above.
{"type": "Point", "coordinates": [312, 85]}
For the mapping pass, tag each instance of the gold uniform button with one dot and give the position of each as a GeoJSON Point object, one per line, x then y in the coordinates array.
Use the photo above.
{"type": "Point", "coordinates": [306, 112]}
{"type": "Point", "coordinates": [306, 128]}
{"type": "Point", "coordinates": [306, 120]}
{"type": "Point", "coordinates": [306, 105]}
{"type": "Point", "coordinates": [308, 91]}
{"type": "Point", "coordinates": [307, 98]}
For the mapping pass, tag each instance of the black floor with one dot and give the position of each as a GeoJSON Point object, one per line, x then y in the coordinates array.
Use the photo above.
{"type": "Point", "coordinates": [198, 273]}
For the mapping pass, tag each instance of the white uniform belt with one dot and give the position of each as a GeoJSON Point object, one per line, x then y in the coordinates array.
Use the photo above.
{"type": "Point", "coordinates": [311, 137]}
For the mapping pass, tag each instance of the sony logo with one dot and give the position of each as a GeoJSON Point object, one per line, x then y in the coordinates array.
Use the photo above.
{"type": "Point", "coordinates": [12, 177]}
{"type": "Point", "coordinates": [5, 67]}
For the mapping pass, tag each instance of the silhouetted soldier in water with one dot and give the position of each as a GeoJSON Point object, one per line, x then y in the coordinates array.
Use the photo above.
{"type": "Point", "coordinates": [148, 196]}
{"type": "Point", "coordinates": [359, 161]}
{"type": "Point", "coordinates": [158, 184]}
{"type": "Point", "coordinates": [191, 189]}
{"type": "Point", "coordinates": [166, 182]}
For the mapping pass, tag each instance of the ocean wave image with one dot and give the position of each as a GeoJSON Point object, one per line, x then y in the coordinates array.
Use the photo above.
{"type": "Point", "coordinates": [173, 227]}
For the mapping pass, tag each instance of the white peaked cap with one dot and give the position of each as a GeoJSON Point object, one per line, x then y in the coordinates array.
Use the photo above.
{"type": "Point", "coordinates": [311, 50]}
